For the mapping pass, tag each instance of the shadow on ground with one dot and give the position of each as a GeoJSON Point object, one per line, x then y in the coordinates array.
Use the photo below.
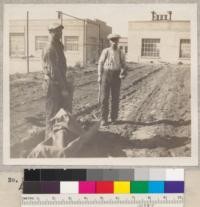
{"type": "Point", "coordinates": [164, 121]}
{"type": "Point", "coordinates": [107, 144]}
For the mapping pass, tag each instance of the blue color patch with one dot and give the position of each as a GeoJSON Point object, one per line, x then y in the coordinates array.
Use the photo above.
{"type": "Point", "coordinates": [174, 186]}
{"type": "Point", "coordinates": [156, 186]}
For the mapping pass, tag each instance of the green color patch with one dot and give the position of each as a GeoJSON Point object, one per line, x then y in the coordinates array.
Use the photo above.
{"type": "Point", "coordinates": [139, 186]}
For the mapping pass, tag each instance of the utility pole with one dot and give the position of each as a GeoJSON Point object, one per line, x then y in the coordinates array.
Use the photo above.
{"type": "Point", "coordinates": [84, 43]}
{"type": "Point", "coordinates": [99, 40]}
{"type": "Point", "coordinates": [60, 16]}
{"type": "Point", "coordinates": [27, 40]}
{"type": "Point", "coordinates": [61, 19]}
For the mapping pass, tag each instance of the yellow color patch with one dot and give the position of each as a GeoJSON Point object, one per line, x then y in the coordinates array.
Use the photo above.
{"type": "Point", "coordinates": [121, 187]}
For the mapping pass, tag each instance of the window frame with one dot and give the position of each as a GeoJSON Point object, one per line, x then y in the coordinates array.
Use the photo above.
{"type": "Point", "coordinates": [38, 36]}
{"type": "Point", "coordinates": [75, 45]}
{"type": "Point", "coordinates": [150, 46]}
{"type": "Point", "coordinates": [126, 49]}
{"type": "Point", "coordinates": [21, 34]}
{"type": "Point", "coordinates": [180, 49]}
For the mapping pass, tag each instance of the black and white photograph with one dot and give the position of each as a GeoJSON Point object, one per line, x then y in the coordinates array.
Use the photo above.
{"type": "Point", "coordinates": [100, 84]}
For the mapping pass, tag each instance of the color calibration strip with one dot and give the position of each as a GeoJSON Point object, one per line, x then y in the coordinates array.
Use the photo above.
{"type": "Point", "coordinates": [102, 187]}
{"type": "Point", "coordinates": [98, 181]}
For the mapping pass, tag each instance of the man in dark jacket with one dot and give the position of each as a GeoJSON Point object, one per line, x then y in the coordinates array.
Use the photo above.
{"type": "Point", "coordinates": [54, 66]}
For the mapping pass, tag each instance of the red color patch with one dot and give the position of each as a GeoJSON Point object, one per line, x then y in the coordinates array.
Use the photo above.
{"type": "Point", "coordinates": [105, 187]}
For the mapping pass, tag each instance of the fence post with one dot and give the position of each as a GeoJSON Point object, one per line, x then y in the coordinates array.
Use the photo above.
{"type": "Point", "coordinates": [27, 39]}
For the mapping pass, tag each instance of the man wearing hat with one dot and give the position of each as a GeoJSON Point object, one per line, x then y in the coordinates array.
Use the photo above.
{"type": "Point", "coordinates": [54, 66]}
{"type": "Point", "coordinates": [111, 69]}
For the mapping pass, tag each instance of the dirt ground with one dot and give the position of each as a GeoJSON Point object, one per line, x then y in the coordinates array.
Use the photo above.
{"type": "Point", "coordinates": [154, 116]}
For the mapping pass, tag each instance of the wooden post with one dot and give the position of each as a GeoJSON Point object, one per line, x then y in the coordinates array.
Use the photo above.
{"type": "Point", "coordinates": [84, 43]}
{"type": "Point", "coordinates": [27, 40]}
{"type": "Point", "coordinates": [99, 49]}
{"type": "Point", "coordinates": [61, 21]}
{"type": "Point", "coordinates": [60, 16]}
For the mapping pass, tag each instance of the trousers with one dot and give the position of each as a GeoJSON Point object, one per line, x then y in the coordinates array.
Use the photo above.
{"type": "Point", "coordinates": [54, 102]}
{"type": "Point", "coordinates": [110, 84]}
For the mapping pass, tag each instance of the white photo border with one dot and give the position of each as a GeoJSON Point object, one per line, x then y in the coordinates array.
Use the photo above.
{"type": "Point", "coordinates": [126, 162]}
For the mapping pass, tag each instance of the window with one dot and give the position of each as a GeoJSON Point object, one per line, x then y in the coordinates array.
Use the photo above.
{"type": "Point", "coordinates": [126, 49]}
{"type": "Point", "coordinates": [40, 42]}
{"type": "Point", "coordinates": [121, 47]}
{"type": "Point", "coordinates": [184, 48]}
{"type": "Point", "coordinates": [150, 47]}
{"type": "Point", "coordinates": [17, 44]}
{"type": "Point", "coordinates": [71, 43]}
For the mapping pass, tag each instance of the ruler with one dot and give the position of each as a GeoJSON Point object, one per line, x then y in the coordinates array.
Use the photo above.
{"type": "Point", "coordinates": [94, 200]}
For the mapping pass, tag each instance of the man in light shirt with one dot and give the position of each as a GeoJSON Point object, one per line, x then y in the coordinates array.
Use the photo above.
{"type": "Point", "coordinates": [111, 69]}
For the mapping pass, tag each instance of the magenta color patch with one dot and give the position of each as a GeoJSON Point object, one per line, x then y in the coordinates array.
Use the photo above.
{"type": "Point", "coordinates": [86, 187]}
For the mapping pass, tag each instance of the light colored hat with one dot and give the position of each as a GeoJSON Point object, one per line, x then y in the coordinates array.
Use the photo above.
{"type": "Point", "coordinates": [54, 26]}
{"type": "Point", "coordinates": [113, 36]}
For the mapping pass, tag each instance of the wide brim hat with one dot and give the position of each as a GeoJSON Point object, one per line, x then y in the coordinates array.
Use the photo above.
{"type": "Point", "coordinates": [113, 36]}
{"type": "Point", "coordinates": [55, 26]}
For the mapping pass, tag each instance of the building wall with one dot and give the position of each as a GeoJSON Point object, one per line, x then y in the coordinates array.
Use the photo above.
{"type": "Point", "coordinates": [170, 33]}
{"type": "Point", "coordinates": [123, 44]}
{"type": "Point", "coordinates": [93, 37]}
{"type": "Point", "coordinates": [40, 28]}
{"type": "Point", "coordinates": [105, 30]}
{"type": "Point", "coordinates": [74, 28]}
{"type": "Point", "coordinates": [35, 28]}
{"type": "Point", "coordinates": [88, 48]}
{"type": "Point", "coordinates": [97, 32]}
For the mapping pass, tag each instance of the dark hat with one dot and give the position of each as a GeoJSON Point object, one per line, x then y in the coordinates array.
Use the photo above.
{"type": "Point", "coordinates": [54, 26]}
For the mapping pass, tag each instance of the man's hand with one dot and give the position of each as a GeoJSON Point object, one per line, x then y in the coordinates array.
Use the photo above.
{"type": "Point", "coordinates": [122, 74]}
{"type": "Point", "coordinates": [99, 79]}
{"type": "Point", "coordinates": [46, 77]}
{"type": "Point", "coordinates": [45, 82]}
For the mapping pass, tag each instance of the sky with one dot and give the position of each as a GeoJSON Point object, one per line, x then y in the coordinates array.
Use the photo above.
{"type": "Point", "coordinates": [115, 15]}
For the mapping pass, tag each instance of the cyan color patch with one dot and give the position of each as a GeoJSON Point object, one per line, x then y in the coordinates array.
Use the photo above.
{"type": "Point", "coordinates": [156, 186]}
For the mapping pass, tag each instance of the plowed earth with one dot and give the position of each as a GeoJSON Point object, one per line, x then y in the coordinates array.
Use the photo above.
{"type": "Point", "coordinates": [154, 118]}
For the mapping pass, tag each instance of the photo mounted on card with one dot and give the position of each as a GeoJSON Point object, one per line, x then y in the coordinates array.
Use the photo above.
{"type": "Point", "coordinates": [113, 87]}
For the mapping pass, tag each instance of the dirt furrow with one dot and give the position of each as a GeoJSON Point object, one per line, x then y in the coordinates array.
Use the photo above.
{"type": "Point", "coordinates": [154, 111]}
{"type": "Point", "coordinates": [134, 77]}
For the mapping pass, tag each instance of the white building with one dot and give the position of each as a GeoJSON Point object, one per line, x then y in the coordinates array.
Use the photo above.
{"type": "Point", "coordinates": [83, 39]}
{"type": "Point", "coordinates": [160, 39]}
{"type": "Point", "coordinates": [123, 44]}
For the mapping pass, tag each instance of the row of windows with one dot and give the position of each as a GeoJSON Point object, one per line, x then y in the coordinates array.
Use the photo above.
{"type": "Point", "coordinates": [151, 48]}
{"type": "Point", "coordinates": [70, 42]}
{"type": "Point", "coordinates": [17, 43]}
